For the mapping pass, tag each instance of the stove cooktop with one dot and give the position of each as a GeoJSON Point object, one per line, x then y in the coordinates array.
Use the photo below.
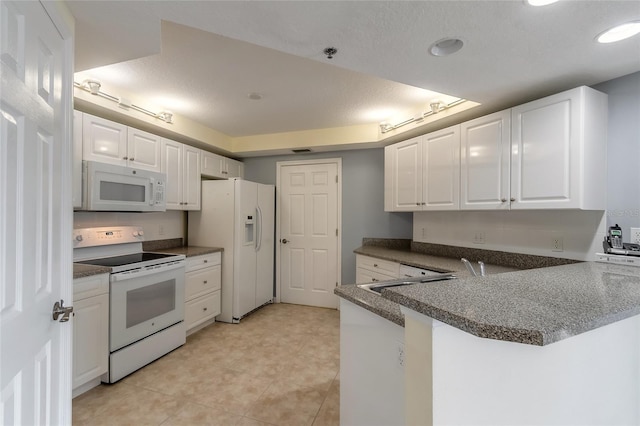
{"type": "Point", "coordinates": [128, 259]}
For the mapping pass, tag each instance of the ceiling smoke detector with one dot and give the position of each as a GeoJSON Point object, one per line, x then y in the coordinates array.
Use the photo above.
{"type": "Point", "coordinates": [330, 51]}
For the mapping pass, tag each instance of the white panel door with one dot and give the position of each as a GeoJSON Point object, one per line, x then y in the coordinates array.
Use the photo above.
{"type": "Point", "coordinates": [485, 162]}
{"type": "Point", "coordinates": [35, 216]}
{"type": "Point", "coordinates": [441, 169]}
{"type": "Point", "coordinates": [143, 150]}
{"type": "Point", "coordinates": [104, 140]}
{"type": "Point", "coordinates": [308, 203]}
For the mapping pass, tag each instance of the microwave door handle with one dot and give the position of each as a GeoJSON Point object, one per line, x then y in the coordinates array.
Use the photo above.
{"type": "Point", "coordinates": [152, 195]}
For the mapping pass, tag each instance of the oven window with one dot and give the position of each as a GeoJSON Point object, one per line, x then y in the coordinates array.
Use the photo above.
{"type": "Point", "coordinates": [116, 191]}
{"type": "Point", "coordinates": [151, 301]}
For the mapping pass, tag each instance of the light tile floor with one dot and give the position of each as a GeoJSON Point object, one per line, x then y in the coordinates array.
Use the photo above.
{"type": "Point", "coordinates": [279, 366]}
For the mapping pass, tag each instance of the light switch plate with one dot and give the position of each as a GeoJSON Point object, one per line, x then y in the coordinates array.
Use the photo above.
{"type": "Point", "coordinates": [635, 236]}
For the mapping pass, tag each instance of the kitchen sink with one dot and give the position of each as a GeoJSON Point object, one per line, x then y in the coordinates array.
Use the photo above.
{"type": "Point", "coordinates": [376, 287]}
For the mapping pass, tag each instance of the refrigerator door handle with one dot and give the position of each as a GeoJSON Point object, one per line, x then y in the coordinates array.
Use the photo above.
{"type": "Point", "coordinates": [258, 228]}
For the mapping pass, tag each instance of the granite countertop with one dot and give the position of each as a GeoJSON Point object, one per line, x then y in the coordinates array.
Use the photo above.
{"type": "Point", "coordinates": [80, 270]}
{"type": "Point", "coordinates": [536, 307]}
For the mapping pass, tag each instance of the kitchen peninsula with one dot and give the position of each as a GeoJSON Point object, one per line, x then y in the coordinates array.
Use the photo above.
{"type": "Point", "coordinates": [553, 345]}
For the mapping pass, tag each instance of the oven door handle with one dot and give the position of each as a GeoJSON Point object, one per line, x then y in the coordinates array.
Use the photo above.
{"type": "Point", "coordinates": [138, 273]}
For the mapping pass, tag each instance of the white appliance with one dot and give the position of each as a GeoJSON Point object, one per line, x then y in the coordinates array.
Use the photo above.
{"type": "Point", "coordinates": [238, 215]}
{"type": "Point", "coordinates": [146, 296]}
{"type": "Point", "coordinates": [108, 187]}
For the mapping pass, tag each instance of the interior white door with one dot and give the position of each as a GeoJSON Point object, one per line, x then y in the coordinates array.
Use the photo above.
{"type": "Point", "coordinates": [308, 204]}
{"type": "Point", "coordinates": [35, 216]}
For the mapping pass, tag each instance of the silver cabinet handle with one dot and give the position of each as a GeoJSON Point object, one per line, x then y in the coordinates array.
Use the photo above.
{"type": "Point", "coordinates": [204, 282]}
{"type": "Point", "coordinates": [375, 265]}
{"type": "Point", "coordinates": [204, 309]}
{"type": "Point", "coordinates": [125, 158]}
{"type": "Point", "coordinates": [131, 159]}
{"type": "Point", "coordinates": [513, 199]}
{"type": "Point", "coordinates": [504, 200]}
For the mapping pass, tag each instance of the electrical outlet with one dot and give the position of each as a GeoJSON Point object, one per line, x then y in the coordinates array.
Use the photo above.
{"type": "Point", "coordinates": [635, 236]}
{"type": "Point", "coordinates": [557, 243]}
{"type": "Point", "coordinates": [160, 229]}
{"type": "Point", "coordinates": [424, 232]}
{"type": "Point", "coordinates": [479, 237]}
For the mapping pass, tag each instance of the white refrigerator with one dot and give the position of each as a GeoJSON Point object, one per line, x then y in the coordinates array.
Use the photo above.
{"type": "Point", "coordinates": [238, 216]}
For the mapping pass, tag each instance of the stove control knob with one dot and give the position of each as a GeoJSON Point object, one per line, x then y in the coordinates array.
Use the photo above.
{"type": "Point", "coordinates": [78, 238]}
{"type": "Point", "coordinates": [140, 233]}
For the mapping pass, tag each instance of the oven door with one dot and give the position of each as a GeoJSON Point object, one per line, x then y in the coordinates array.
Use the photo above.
{"type": "Point", "coordinates": [145, 301]}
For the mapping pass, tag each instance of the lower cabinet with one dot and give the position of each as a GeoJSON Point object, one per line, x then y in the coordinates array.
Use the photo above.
{"type": "Point", "coordinates": [202, 290]}
{"type": "Point", "coordinates": [90, 331]}
{"type": "Point", "coordinates": [370, 269]}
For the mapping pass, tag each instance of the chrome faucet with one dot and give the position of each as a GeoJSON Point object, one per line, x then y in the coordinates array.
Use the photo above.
{"type": "Point", "coordinates": [471, 270]}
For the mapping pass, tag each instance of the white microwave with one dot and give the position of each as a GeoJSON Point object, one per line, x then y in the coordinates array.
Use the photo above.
{"type": "Point", "coordinates": [108, 187]}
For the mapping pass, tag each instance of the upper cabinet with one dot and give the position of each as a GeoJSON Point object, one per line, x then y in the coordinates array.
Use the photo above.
{"type": "Point", "coordinates": [181, 164]}
{"type": "Point", "coordinates": [546, 154]}
{"type": "Point", "coordinates": [115, 143]}
{"type": "Point", "coordinates": [559, 151]}
{"type": "Point", "coordinates": [217, 166]}
{"type": "Point", "coordinates": [423, 173]}
{"type": "Point", "coordinates": [485, 162]}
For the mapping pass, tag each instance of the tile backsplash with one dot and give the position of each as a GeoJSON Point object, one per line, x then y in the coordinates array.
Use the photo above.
{"type": "Point", "coordinates": [569, 234]}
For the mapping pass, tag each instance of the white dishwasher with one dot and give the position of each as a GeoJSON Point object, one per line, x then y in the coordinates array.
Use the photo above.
{"type": "Point", "coordinates": [407, 271]}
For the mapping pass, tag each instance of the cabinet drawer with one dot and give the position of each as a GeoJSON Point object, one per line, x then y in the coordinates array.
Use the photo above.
{"type": "Point", "coordinates": [198, 262]}
{"type": "Point", "coordinates": [201, 282]}
{"type": "Point", "coordinates": [378, 265]}
{"type": "Point", "coordinates": [202, 309]}
{"type": "Point", "coordinates": [90, 286]}
{"type": "Point", "coordinates": [367, 276]}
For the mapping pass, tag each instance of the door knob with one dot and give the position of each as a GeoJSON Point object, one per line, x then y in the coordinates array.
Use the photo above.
{"type": "Point", "coordinates": [284, 241]}
{"type": "Point", "coordinates": [60, 309]}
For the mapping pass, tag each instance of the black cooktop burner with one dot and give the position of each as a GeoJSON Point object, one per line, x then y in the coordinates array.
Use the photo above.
{"type": "Point", "coordinates": [126, 259]}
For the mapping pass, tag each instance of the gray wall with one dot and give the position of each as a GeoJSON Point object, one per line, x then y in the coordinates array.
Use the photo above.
{"type": "Point", "coordinates": [623, 183]}
{"type": "Point", "coordinates": [363, 212]}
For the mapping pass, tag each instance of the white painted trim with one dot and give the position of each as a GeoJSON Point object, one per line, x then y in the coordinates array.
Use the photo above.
{"type": "Point", "coordinates": [279, 165]}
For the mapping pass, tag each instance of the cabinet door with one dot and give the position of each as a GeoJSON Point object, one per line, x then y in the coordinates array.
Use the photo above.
{"type": "Point", "coordinates": [77, 160]}
{"type": "Point", "coordinates": [545, 169]}
{"type": "Point", "coordinates": [485, 162]}
{"type": "Point", "coordinates": [172, 165]}
{"type": "Point", "coordinates": [143, 150]}
{"type": "Point", "coordinates": [104, 140]}
{"type": "Point", "coordinates": [90, 338]}
{"type": "Point", "coordinates": [234, 168]}
{"type": "Point", "coordinates": [191, 180]}
{"type": "Point", "coordinates": [212, 165]}
{"type": "Point", "coordinates": [441, 169]}
{"type": "Point", "coordinates": [406, 181]}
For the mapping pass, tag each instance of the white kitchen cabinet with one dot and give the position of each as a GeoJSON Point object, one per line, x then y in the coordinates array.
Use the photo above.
{"type": "Point", "coordinates": [202, 290]}
{"type": "Point", "coordinates": [371, 269]}
{"type": "Point", "coordinates": [217, 166]}
{"type": "Point", "coordinates": [441, 169]}
{"type": "Point", "coordinates": [76, 164]}
{"type": "Point", "coordinates": [485, 162]}
{"type": "Point", "coordinates": [181, 164]}
{"type": "Point", "coordinates": [558, 147]}
{"type": "Point", "coordinates": [90, 331]}
{"type": "Point", "coordinates": [403, 175]}
{"type": "Point", "coordinates": [114, 143]}
{"type": "Point", "coordinates": [424, 172]}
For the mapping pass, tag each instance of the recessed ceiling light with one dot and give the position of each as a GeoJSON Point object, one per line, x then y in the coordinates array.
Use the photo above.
{"type": "Point", "coordinates": [619, 32]}
{"type": "Point", "coordinates": [446, 46]}
{"type": "Point", "coordinates": [540, 2]}
{"type": "Point", "coordinates": [254, 96]}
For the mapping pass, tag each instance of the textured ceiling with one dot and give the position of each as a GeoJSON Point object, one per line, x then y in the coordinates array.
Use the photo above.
{"type": "Point", "coordinates": [513, 52]}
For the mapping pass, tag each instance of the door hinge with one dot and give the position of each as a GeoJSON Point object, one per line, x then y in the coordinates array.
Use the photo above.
{"type": "Point", "coordinates": [336, 232]}
{"type": "Point", "coordinates": [336, 178]}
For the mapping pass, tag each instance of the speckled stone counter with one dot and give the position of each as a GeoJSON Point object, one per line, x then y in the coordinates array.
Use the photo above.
{"type": "Point", "coordinates": [189, 251]}
{"type": "Point", "coordinates": [536, 307]}
{"type": "Point", "coordinates": [81, 271]}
